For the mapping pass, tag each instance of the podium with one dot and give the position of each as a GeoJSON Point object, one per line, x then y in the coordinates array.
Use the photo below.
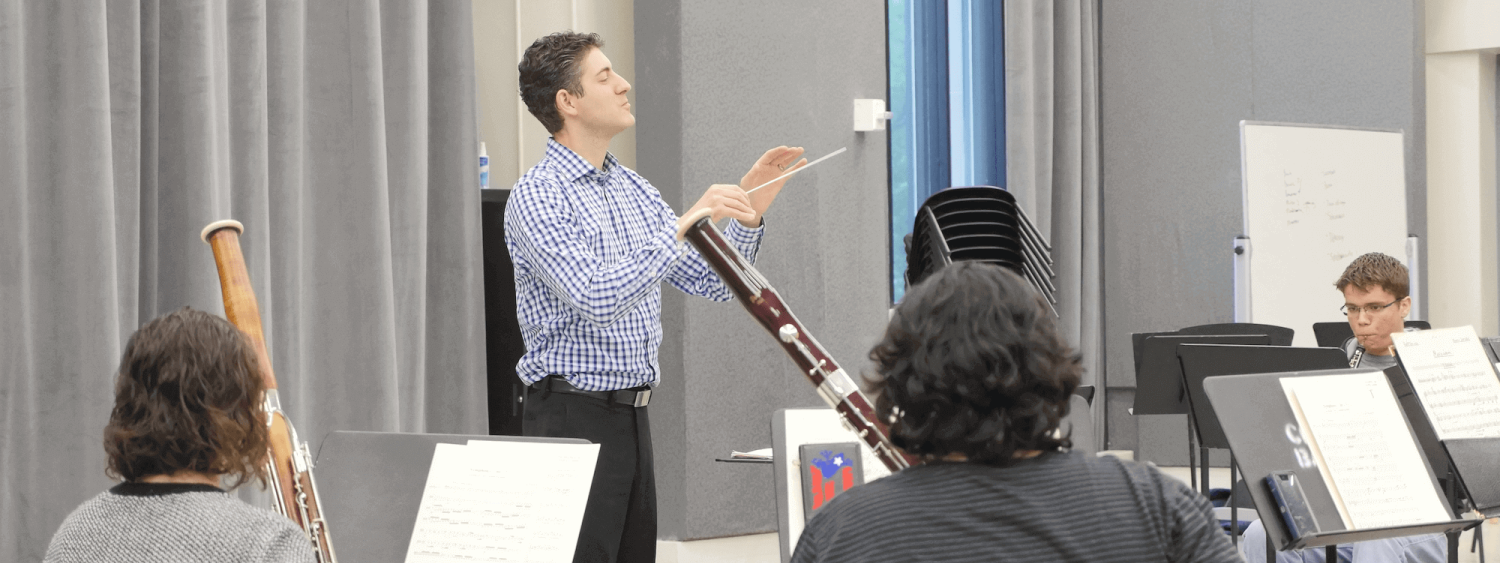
{"type": "Point", "coordinates": [1266, 438]}
{"type": "Point", "coordinates": [371, 485]}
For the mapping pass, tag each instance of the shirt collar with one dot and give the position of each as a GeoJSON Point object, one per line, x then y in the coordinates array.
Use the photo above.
{"type": "Point", "coordinates": [575, 167]}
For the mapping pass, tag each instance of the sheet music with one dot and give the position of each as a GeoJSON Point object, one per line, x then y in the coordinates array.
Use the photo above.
{"type": "Point", "coordinates": [503, 501]}
{"type": "Point", "coordinates": [1364, 449]}
{"type": "Point", "coordinates": [1452, 375]}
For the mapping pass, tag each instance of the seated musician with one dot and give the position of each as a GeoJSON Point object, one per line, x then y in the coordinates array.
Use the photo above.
{"type": "Point", "coordinates": [1376, 291]}
{"type": "Point", "coordinates": [1376, 300]}
{"type": "Point", "coordinates": [976, 380]}
{"type": "Point", "coordinates": [187, 416]}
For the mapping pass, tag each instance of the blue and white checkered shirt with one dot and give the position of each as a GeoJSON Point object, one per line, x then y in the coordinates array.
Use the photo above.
{"type": "Point", "coordinates": [591, 248]}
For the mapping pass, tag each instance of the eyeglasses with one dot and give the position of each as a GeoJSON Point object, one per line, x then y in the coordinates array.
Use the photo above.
{"type": "Point", "coordinates": [1351, 310]}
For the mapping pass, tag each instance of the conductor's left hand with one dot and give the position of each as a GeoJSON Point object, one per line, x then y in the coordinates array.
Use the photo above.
{"type": "Point", "coordinates": [774, 163]}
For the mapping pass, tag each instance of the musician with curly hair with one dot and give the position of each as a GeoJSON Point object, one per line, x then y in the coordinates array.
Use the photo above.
{"type": "Point", "coordinates": [975, 379]}
{"type": "Point", "coordinates": [187, 426]}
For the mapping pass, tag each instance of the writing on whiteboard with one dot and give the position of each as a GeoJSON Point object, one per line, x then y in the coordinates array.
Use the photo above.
{"type": "Point", "coordinates": [1316, 197]}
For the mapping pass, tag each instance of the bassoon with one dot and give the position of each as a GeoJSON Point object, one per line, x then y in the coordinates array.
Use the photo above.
{"type": "Point", "coordinates": [752, 290]}
{"type": "Point", "coordinates": [289, 463]}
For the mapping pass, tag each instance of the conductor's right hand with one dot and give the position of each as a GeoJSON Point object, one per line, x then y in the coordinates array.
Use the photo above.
{"type": "Point", "coordinates": [726, 200]}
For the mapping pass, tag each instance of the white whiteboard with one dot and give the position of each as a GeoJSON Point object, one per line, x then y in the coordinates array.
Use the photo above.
{"type": "Point", "coordinates": [1316, 197]}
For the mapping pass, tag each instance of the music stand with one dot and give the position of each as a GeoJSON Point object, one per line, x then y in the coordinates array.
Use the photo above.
{"type": "Point", "coordinates": [1332, 334]}
{"type": "Point", "coordinates": [1138, 345]}
{"type": "Point", "coordinates": [371, 485]}
{"type": "Point", "coordinates": [1492, 347]}
{"type": "Point", "coordinates": [1279, 335]}
{"type": "Point", "coordinates": [1201, 361]}
{"type": "Point", "coordinates": [1474, 461]}
{"type": "Point", "coordinates": [1261, 441]}
{"type": "Point", "coordinates": [1158, 384]}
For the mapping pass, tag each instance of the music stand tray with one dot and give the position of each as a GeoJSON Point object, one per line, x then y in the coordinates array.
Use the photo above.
{"type": "Point", "coordinates": [1265, 438]}
{"type": "Point", "coordinates": [371, 485]}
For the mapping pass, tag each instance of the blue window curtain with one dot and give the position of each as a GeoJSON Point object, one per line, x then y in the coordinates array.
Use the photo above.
{"type": "Point", "coordinates": [947, 96]}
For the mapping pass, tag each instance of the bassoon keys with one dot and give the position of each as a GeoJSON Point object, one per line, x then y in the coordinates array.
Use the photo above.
{"type": "Point", "coordinates": [764, 304]}
{"type": "Point", "coordinates": [290, 463]}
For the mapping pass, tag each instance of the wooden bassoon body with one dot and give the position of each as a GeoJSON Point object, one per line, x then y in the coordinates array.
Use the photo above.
{"type": "Point", "coordinates": [765, 304]}
{"type": "Point", "coordinates": [290, 463]}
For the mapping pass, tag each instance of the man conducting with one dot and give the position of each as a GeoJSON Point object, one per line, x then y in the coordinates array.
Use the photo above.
{"type": "Point", "coordinates": [592, 241]}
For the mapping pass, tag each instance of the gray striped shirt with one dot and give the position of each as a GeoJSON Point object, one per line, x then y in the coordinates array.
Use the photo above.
{"type": "Point", "coordinates": [1055, 507]}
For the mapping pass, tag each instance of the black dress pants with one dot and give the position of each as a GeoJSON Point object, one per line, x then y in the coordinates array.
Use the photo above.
{"type": "Point", "coordinates": [619, 523]}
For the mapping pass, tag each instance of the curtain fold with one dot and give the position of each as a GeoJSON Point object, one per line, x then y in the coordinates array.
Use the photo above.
{"type": "Point", "coordinates": [342, 133]}
{"type": "Point", "coordinates": [1052, 157]}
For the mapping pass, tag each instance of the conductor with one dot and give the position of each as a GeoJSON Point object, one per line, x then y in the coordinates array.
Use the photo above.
{"type": "Point", "coordinates": [592, 242]}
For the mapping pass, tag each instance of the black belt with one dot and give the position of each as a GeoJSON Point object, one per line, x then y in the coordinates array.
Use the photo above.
{"type": "Point", "coordinates": [635, 396]}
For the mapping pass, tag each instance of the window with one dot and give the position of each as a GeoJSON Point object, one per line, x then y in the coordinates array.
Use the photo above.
{"type": "Point", "coordinates": [947, 94]}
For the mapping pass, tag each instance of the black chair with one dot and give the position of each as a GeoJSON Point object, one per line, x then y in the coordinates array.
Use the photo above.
{"type": "Point", "coordinates": [1279, 335]}
{"type": "Point", "coordinates": [983, 224]}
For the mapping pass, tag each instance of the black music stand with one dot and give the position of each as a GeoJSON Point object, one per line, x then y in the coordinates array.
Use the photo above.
{"type": "Point", "coordinates": [1138, 344]}
{"type": "Point", "coordinates": [371, 484]}
{"type": "Point", "coordinates": [1474, 461]}
{"type": "Point", "coordinates": [1332, 334]}
{"type": "Point", "coordinates": [1261, 440]}
{"type": "Point", "coordinates": [1492, 347]}
{"type": "Point", "coordinates": [1201, 361]}
{"type": "Point", "coordinates": [1279, 335]}
{"type": "Point", "coordinates": [1158, 384]}
{"type": "Point", "coordinates": [1158, 380]}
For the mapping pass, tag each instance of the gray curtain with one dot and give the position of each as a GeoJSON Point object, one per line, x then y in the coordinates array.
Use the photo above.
{"type": "Point", "coordinates": [342, 133]}
{"type": "Point", "coordinates": [1052, 156]}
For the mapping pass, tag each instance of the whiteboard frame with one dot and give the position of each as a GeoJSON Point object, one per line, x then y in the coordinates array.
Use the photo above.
{"type": "Point", "coordinates": [1241, 274]}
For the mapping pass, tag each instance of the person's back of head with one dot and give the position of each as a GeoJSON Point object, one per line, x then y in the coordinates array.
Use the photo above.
{"type": "Point", "coordinates": [187, 398]}
{"type": "Point", "coordinates": [972, 365]}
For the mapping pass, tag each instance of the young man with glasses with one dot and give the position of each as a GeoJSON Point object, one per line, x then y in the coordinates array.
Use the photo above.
{"type": "Point", "coordinates": [1375, 288]}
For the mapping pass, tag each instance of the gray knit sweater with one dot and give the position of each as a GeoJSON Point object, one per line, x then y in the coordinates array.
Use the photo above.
{"type": "Point", "coordinates": [165, 522]}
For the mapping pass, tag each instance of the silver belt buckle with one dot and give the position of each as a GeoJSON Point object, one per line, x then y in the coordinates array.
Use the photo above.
{"type": "Point", "coordinates": [642, 398]}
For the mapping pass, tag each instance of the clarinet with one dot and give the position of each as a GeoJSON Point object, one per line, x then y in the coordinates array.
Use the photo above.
{"type": "Point", "coordinates": [290, 463]}
{"type": "Point", "coordinates": [834, 385]}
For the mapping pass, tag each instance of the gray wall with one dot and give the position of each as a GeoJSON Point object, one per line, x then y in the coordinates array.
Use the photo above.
{"type": "Point", "coordinates": [718, 83]}
{"type": "Point", "coordinates": [1178, 76]}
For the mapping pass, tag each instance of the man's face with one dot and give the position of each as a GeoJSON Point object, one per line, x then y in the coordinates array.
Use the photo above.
{"type": "Point", "coordinates": [1373, 328]}
{"type": "Point", "coordinates": [603, 106]}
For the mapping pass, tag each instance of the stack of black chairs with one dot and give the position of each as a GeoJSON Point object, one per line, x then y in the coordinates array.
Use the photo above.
{"type": "Point", "coordinates": [979, 223]}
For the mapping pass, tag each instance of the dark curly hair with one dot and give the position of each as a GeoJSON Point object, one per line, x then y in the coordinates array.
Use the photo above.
{"type": "Point", "coordinates": [187, 397]}
{"type": "Point", "coordinates": [1377, 270]}
{"type": "Point", "coordinates": [550, 64]}
{"type": "Point", "coordinates": [972, 364]}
